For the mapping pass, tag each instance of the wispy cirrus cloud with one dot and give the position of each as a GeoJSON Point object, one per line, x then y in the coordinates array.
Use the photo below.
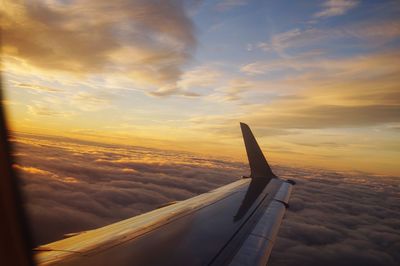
{"type": "Point", "coordinates": [37, 88]}
{"type": "Point", "coordinates": [327, 116]}
{"type": "Point", "coordinates": [200, 77]}
{"type": "Point", "coordinates": [376, 33]}
{"type": "Point", "coordinates": [336, 8]}
{"type": "Point", "coordinates": [93, 101]}
{"type": "Point", "coordinates": [235, 88]}
{"type": "Point", "coordinates": [172, 90]}
{"type": "Point", "coordinates": [192, 83]}
{"type": "Point", "coordinates": [42, 109]}
{"type": "Point", "coordinates": [280, 41]}
{"type": "Point", "coordinates": [225, 5]}
{"type": "Point", "coordinates": [358, 66]}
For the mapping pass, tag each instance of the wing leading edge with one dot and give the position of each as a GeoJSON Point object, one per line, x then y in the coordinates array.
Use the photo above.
{"type": "Point", "coordinates": [233, 225]}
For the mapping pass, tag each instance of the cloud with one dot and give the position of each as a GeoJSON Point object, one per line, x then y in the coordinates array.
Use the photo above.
{"type": "Point", "coordinates": [324, 92]}
{"type": "Point", "coordinates": [280, 41]}
{"type": "Point", "coordinates": [200, 77]}
{"type": "Point", "coordinates": [41, 109]}
{"type": "Point", "coordinates": [334, 217]}
{"type": "Point", "coordinates": [37, 88]}
{"type": "Point", "coordinates": [235, 88]}
{"type": "Point", "coordinates": [92, 101]}
{"type": "Point", "coordinates": [172, 90]}
{"type": "Point", "coordinates": [284, 118]}
{"type": "Point", "coordinates": [339, 218]}
{"type": "Point", "coordinates": [334, 8]}
{"type": "Point", "coordinates": [91, 185]}
{"type": "Point", "coordinates": [148, 41]}
{"type": "Point", "coordinates": [31, 170]}
{"type": "Point", "coordinates": [376, 33]}
{"type": "Point", "coordinates": [327, 116]}
{"type": "Point", "coordinates": [225, 5]}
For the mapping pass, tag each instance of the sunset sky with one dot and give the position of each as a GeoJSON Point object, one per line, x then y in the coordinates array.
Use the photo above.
{"type": "Point", "coordinates": [318, 81]}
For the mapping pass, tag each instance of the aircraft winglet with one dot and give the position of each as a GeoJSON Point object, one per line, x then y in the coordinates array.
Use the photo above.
{"type": "Point", "coordinates": [258, 164]}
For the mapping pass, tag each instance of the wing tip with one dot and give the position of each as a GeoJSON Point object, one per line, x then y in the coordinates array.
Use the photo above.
{"type": "Point", "coordinates": [258, 164]}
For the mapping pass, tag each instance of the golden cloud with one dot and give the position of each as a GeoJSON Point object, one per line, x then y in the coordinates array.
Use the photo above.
{"type": "Point", "coordinates": [318, 93]}
{"type": "Point", "coordinates": [142, 38]}
{"type": "Point", "coordinates": [32, 170]}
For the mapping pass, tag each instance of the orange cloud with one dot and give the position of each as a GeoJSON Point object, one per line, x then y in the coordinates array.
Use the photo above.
{"type": "Point", "coordinates": [31, 170]}
{"type": "Point", "coordinates": [143, 38]}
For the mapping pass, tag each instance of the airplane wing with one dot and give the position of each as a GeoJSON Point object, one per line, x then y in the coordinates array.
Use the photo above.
{"type": "Point", "coordinates": [236, 224]}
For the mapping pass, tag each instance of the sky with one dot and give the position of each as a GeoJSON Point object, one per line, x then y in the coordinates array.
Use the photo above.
{"type": "Point", "coordinates": [317, 81]}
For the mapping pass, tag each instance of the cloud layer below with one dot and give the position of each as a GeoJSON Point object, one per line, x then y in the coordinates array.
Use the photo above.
{"type": "Point", "coordinates": [73, 185]}
{"type": "Point", "coordinates": [340, 219]}
{"type": "Point", "coordinates": [334, 218]}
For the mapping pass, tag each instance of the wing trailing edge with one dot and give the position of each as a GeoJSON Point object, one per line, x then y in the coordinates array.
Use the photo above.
{"type": "Point", "coordinates": [257, 247]}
